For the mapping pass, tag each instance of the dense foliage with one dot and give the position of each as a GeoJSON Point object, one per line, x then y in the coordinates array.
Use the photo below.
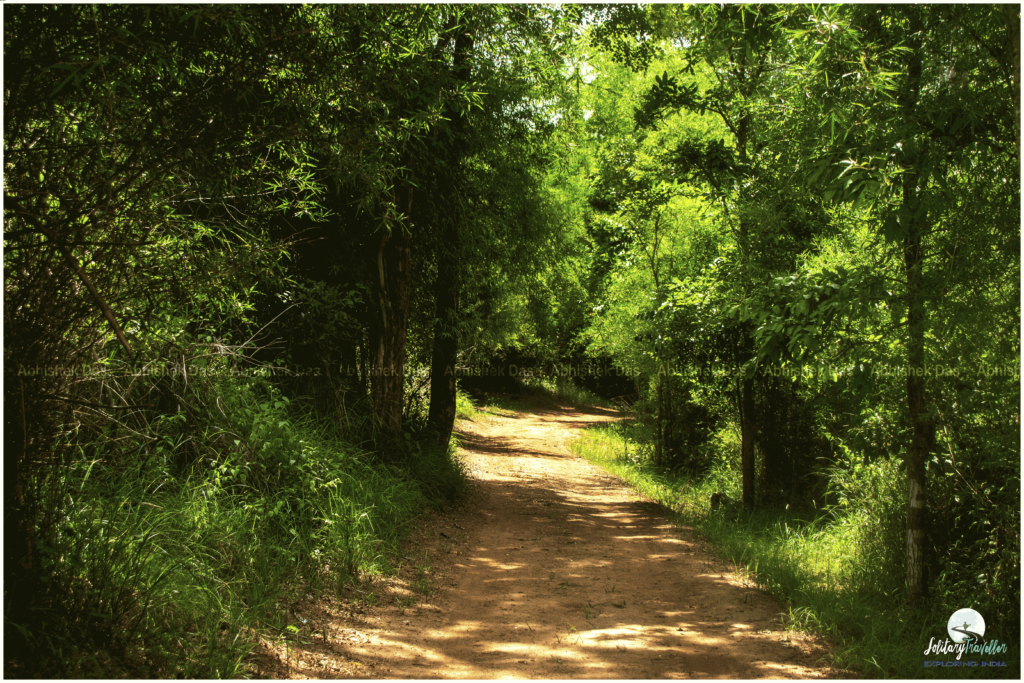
{"type": "Point", "coordinates": [249, 249]}
{"type": "Point", "coordinates": [807, 231]}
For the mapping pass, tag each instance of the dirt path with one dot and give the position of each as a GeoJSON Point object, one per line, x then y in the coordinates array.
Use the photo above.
{"type": "Point", "coordinates": [554, 569]}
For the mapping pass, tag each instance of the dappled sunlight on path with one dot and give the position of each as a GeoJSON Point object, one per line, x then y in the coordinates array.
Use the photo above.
{"type": "Point", "coordinates": [558, 570]}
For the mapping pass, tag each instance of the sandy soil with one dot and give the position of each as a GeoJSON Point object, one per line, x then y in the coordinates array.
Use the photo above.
{"type": "Point", "coordinates": [553, 569]}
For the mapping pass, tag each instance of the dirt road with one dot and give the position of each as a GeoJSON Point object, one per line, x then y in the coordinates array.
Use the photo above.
{"type": "Point", "coordinates": [554, 569]}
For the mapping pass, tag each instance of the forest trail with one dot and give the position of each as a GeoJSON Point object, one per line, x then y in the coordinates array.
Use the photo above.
{"type": "Point", "coordinates": [553, 569]}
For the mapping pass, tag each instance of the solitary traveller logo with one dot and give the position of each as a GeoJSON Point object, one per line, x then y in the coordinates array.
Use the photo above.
{"type": "Point", "coordinates": [972, 626]}
{"type": "Point", "coordinates": [966, 629]}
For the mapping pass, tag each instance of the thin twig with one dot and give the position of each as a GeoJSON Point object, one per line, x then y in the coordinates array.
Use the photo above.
{"type": "Point", "coordinates": [96, 405]}
{"type": "Point", "coordinates": [86, 280]}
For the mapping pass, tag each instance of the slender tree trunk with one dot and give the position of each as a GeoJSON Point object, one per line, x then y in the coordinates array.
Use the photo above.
{"type": "Point", "coordinates": [364, 376]}
{"type": "Point", "coordinates": [746, 396]}
{"type": "Point", "coordinates": [923, 427]}
{"type": "Point", "coordinates": [923, 434]}
{"type": "Point", "coordinates": [669, 445]}
{"type": "Point", "coordinates": [747, 441]}
{"type": "Point", "coordinates": [393, 258]}
{"type": "Point", "coordinates": [659, 441]}
{"type": "Point", "coordinates": [441, 416]}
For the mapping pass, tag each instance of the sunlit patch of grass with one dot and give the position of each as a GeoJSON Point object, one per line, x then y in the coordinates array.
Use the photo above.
{"type": "Point", "coordinates": [563, 390]}
{"type": "Point", "coordinates": [498, 411]}
{"type": "Point", "coordinates": [464, 408]}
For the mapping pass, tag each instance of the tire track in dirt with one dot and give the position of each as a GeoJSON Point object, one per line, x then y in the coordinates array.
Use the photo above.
{"type": "Point", "coordinates": [556, 569]}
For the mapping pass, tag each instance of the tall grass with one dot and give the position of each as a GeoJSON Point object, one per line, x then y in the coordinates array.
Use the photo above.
{"type": "Point", "coordinates": [562, 389]}
{"type": "Point", "coordinates": [161, 573]}
{"type": "Point", "coordinates": [464, 407]}
{"type": "Point", "coordinates": [532, 392]}
{"type": "Point", "coordinates": [839, 571]}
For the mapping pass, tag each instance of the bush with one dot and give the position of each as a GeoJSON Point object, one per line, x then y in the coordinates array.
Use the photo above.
{"type": "Point", "coordinates": [171, 564]}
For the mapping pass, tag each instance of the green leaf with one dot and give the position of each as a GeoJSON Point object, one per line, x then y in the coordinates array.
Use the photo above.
{"type": "Point", "coordinates": [892, 230]}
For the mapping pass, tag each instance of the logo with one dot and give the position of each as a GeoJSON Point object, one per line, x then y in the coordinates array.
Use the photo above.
{"type": "Point", "coordinates": [966, 629]}
{"type": "Point", "coordinates": [966, 623]}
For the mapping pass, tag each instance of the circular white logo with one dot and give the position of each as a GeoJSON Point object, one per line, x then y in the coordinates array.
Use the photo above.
{"type": "Point", "coordinates": [966, 623]}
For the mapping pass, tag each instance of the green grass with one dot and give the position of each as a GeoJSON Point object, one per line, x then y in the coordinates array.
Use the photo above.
{"type": "Point", "coordinates": [563, 390]}
{"type": "Point", "coordinates": [533, 393]}
{"type": "Point", "coordinates": [499, 405]}
{"type": "Point", "coordinates": [838, 571]}
{"type": "Point", "coordinates": [502, 405]}
{"type": "Point", "coordinates": [158, 574]}
{"type": "Point", "coordinates": [464, 408]}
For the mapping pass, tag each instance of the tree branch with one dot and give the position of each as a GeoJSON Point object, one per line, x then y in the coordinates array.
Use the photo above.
{"type": "Point", "coordinates": [83, 276]}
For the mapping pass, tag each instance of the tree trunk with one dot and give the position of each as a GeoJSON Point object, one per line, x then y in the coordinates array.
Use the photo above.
{"type": "Point", "coordinates": [747, 441]}
{"type": "Point", "coordinates": [364, 375]}
{"type": "Point", "coordinates": [923, 428]}
{"type": "Point", "coordinates": [913, 215]}
{"type": "Point", "coordinates": [923, 435]}
{"type": "Point", "coordinates": [441, 417]}
{"type": "Point", "coordinates": [659, 439]}
{"type": "Point", "coordinates": [669, 447]}
{"type": "Point", "coordinates": [389, 363]}
{"type": "Point", "coordinates": [746, 396]}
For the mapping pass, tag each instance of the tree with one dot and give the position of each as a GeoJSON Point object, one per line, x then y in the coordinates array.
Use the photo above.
{"type": "Point", "coordinates": [930, 99]}
{"type": "Point", "coordinates": [145, 148]}
{"type": "Point", "coordinates": [512, 64]}
{"type": "Point", "coordinates": [742, 48]}
{"type": "Point", "coordinates": [391, 49]}
{"type": "Point", "coordinates": [446, 289]}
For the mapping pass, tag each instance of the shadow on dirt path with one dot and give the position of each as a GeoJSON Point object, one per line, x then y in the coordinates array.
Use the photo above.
{"type": "Point", "coordinates": [556, 569]}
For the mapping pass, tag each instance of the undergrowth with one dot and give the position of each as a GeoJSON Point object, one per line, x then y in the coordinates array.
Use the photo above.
{"type": "Point", "coordinates": [563, 390]}
{"type": "Point", "coordinates": [528, 393]}
{"type": "Point", "coordinates": [464, 408]}
{"type": "Point", "coordinates": [839, 570]}
{"type": "Point", "coordinates": [161, 571]}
